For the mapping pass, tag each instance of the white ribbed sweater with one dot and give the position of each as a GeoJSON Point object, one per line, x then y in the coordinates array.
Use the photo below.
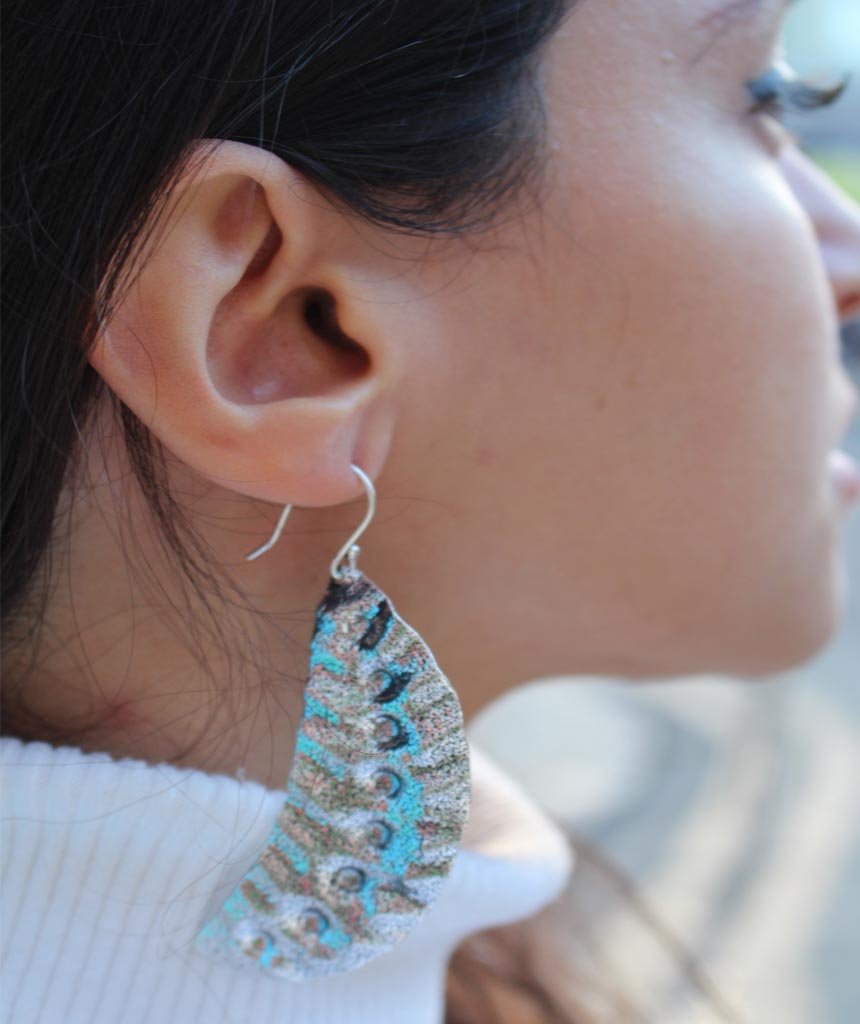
{"type": "Point", "coordinates": [108, 865]}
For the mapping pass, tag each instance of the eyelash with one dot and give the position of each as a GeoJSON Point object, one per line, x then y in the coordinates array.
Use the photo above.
{"type": "Point", "coordinates": [779, 90]}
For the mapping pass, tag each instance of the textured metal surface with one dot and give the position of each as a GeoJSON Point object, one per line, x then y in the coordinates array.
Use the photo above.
{"type": "Point", "coordinates": [377, 799]}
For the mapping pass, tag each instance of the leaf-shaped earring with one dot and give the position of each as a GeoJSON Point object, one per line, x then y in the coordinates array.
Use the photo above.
{"type": "Point", "coordinates": [377, 797]}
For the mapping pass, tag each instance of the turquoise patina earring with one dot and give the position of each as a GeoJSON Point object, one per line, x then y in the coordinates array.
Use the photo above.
{"type": "Point", "coordinates": [377, 797]}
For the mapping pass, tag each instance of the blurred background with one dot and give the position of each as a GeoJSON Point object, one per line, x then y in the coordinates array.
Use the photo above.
{"type": "Point", "coordinates": [732, 805]}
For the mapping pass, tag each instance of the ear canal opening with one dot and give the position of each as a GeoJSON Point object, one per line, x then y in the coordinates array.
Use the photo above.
{"type": "Point", "coordinates": [320, 313]}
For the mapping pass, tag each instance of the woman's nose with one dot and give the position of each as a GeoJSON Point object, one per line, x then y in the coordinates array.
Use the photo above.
{"type": "Point", "coordinates": [837, 223]}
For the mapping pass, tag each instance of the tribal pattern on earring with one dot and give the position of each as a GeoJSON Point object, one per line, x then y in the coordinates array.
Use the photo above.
{"type": "Point", "coordinates": [376, 801]}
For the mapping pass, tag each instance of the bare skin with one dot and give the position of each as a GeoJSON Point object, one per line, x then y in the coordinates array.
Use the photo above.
{"type": "Point", "coordinates": [598, 434]}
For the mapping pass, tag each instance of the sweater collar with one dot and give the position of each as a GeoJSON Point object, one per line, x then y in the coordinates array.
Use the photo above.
{"type": "Point", "coordinates": [142, 847]}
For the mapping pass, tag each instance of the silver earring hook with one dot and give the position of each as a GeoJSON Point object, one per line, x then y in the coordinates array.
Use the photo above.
{"type": "Point", "coordinates": [350, 547]}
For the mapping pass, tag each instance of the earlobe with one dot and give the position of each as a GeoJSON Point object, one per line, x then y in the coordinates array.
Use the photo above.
{"type": "Point", "coordinates": [229, 346]}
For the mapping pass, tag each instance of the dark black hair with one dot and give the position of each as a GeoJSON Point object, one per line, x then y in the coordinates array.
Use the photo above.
{"type": "Point", "coordinates": [421, 116]}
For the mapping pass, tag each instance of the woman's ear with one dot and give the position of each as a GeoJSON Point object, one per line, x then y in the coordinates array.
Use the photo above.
{"type": "Point", "coordinates": [255, 340]}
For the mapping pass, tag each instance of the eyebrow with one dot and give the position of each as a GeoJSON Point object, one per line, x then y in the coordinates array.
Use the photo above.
{"type": "Point", "coordinates": [727, 13]}
{"type": "Point", "coordinates": [722, 16]}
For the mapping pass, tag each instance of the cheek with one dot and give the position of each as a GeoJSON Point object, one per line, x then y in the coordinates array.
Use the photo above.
{"type": "Point", "coordinates": [753, 390]}
{"type": "Point", "coordinates": [720, 389]}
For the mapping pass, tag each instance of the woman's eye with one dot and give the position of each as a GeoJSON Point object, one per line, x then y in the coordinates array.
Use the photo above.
{"type": "Point", "coordinates": [780, 90]}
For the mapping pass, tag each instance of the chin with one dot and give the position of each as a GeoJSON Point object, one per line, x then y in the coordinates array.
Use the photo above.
{"type": "Point", "coordinates": [802, 632]}
{"type": "Point", "coordinates": [788, 630]}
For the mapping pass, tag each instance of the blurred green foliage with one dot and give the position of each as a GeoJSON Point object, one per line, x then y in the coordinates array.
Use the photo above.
{"type": "Point", "coordinates": [843, 166]}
